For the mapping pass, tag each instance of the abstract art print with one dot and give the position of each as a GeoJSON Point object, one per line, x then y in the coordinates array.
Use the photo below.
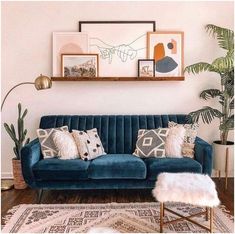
{"type": "Point", "coordinates": [146, 68]}
{"type": "Point", "coordinates": [119, 44]}
{"type": "Point", "coordinates": [79, 65]}
{"type": "Point", "coordinates": [166, 48]}
{"type": "Point", "coordinates": [67, 43]}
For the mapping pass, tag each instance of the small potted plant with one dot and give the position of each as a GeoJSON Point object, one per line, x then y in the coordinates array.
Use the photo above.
{"type": "Point", "coordinates": [224, 67]}
{"type": "Point", "coordinates": [19, 138]}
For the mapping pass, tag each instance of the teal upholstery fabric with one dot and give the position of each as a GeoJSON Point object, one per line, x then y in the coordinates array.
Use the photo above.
{"type": "Point", "coordinates": [118, 169]}
{"type": "Point", "coordinates": [203, 154]}
{"type": "Point", "coordinates": [57, 169]}
{"type": "Point", "coordinates": [97, 184]}
{"type": "Point", "coordinates": [155, 166]}
{"type": "Point", "coordinates": [117, 166]}
{"type": "Point", "coordinates": [118, 133]}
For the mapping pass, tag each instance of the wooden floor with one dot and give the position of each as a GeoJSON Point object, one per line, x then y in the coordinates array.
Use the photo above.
{"type": "Point", "coordinates": [14, 197]}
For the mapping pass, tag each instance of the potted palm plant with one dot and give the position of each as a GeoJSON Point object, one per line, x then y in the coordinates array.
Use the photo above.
{"type": "Point", "coordinates": [20, 140]}
{"type": "Point", "coordinates": [224, 67]}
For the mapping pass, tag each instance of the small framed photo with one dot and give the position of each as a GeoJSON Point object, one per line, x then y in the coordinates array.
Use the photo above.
{"type": "Point", "coordinates": [146, 68]}
{"type": "Point", "coordinates": [80, 65]}
{"type": "Point", "coordinates": [167, 50]}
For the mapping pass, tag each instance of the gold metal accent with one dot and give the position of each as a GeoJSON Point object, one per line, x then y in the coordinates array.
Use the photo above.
{"type": "Point", "coordinates": [42, 82]}
{"type": "Point", "coordinates": [211, 219]}
{"type": "Point", "coordinates": [161, 216]}
{"type": "Point", "coordinates": [207, 213]}
{"type": "Point", "coordinates": [226, 168]}
{"type": "Point", "coordinates": [6, 185]}
{"type": "Point", "coordinates": [188, 218]}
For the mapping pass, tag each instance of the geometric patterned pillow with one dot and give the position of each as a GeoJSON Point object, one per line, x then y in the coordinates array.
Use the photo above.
{"type": "Point", "coordinates": [189, 138]}
{"type": "Point", "coordinates": [151, 143]}
{"type": "Point", "coordinates": [88, 143]}
{"type": "Point", "coordinates": [48, 146]}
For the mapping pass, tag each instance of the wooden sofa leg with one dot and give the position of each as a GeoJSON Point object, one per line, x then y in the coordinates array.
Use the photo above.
{"type": "Point", "coordinates": [40, 192]}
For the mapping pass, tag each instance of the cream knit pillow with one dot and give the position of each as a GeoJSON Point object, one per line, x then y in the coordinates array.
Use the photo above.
{"type": "Point", "coordinates": [64, 142]}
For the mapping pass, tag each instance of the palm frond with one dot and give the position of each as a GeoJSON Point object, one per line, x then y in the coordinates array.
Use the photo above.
{"type": "Point", "coordinates": [231, 104]}
{"type": "Point", "coordinates": [199, 67]}
{"type": "Point", "coordinates": [223, 64]}
{"type": "Point", "coordinates": [224, 36]}
{"type": "Point", "coordinates": [210, 93]}
{"type": "Point", "coordinates": [207, 114]}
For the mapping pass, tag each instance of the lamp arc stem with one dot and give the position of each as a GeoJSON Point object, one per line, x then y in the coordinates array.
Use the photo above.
{"type": "Point", "coordinates": [23, 83]}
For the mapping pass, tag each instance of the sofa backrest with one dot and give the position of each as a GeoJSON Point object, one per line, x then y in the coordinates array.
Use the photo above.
{"type": "Point", "coordinates": [118, 133]}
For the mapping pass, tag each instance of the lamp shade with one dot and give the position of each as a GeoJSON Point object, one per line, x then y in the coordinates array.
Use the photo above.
{"type": "Point", "coordinates": [42, 82]}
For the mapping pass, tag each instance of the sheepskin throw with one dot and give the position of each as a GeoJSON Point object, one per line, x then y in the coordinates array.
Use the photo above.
{"type": "Point", "coordinates": [189, 138]}
{"type": "Point", "coordinates": [67, 148]}
{"type": "Point", "coordinates": [151, 143]}
{"type": "Point", "coordinates": [88, 143]}
{"type": "Point", "coordinates": [45, 136]}
{"type": "Point", "coordinates": [174, 142]}
{"type": "Point", "coordinates": [191, 188]}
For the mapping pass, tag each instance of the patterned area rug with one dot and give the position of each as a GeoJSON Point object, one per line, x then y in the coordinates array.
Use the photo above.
{"type": "Point", "coordinates": [117, 217]}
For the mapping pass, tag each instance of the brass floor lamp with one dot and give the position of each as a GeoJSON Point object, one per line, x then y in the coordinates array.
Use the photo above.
{"type": "Point", "coordinates": [40, 83]}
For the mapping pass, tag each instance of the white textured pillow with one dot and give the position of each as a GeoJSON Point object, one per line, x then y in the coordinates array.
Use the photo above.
{"type": "Point", "coordinates": [175, 141]}
{"type": "Point", "coordinates": [67, 148]}
{"type": "Point", "coordinates": [88, 143]}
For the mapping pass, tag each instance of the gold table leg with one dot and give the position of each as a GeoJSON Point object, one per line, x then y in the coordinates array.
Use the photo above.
{"type": "Point", "coordinates": [207, 213]}
{"type": "Point", "coordinates": [161, 216]}
{"type": "Point", "coordinates": [211, 219]}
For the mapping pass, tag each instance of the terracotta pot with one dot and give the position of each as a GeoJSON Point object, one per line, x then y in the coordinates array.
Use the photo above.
{"type": "Point", "coordinates": [19, 182]}
{"type": "Point", "coordinates": [219, 158]}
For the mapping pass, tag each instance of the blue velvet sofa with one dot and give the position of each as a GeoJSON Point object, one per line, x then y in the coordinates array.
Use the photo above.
{"type": "Point", "coordinates": [119, 169]}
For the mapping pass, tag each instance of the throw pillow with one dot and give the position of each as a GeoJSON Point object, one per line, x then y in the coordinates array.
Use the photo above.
{"type": "Point", "coordinates": [65, 144]}
{"type": "Point", "coordinates": [48, 147]}
{"type": "Point", "coordinates": [189, 138]}
{"type": "Point", "coordinates": [88, 143]}
{"type": "Point", "coordinates": [151, 143]}
{"type": "Point", "coordinates": [174, 142]}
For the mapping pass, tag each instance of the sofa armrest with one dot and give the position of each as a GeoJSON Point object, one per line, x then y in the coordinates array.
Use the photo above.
{"type": "Point", "coordinates": [203, 154]}
{"type": "Point", "coordinates": [30, 154]}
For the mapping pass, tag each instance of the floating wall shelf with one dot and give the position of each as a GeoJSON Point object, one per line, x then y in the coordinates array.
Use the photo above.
{"type": "Point", "coordinates": [179, 78]}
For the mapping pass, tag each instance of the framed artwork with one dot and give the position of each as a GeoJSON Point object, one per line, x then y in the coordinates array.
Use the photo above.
{"type": "Point", "coordinates": [79, 65]}
{"type": "Point", "coordinates": [146, 68]}
{"type": "Point", "coordinates": [167, 50]}
{"type": "Point", "coordinates": [119, 44]}
{"type": "Point", "coordinates": [67, 43]}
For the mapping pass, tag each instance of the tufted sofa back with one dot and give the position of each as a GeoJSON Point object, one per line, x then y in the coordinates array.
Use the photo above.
{"type": "Point", "coordinates": [118, 133]}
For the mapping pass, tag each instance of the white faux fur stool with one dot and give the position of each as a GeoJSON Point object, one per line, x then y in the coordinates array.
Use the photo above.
{"type": "Point", "coordinates": [194, 189]}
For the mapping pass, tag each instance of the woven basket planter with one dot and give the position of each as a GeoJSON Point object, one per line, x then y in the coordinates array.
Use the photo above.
{"type": "Point", "coordinates": [19, 182]}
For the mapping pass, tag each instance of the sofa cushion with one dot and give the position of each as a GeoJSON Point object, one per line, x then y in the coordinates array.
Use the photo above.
{"type": "Point", "coordinates": [56, 169]}
{"type": "Point", "coordinates": [156, 166]}
{"type": "Point", "coordinates": [117, 166]}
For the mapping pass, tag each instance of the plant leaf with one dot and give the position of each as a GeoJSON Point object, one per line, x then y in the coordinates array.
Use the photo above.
{"type": "Point", "coordinates": [199, 67]}
{"type": "Point", "coordinates": [207, 114]}
{"type": "Point", "coordinates": [228, 124]}
{"type": "Point", "coordinates": [210, 93]}
{"type": "Point", "coordinates": [224, 36]}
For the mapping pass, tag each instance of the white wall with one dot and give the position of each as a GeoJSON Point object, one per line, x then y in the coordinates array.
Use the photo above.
{"type": "Point", "coordinates": [27, 51]}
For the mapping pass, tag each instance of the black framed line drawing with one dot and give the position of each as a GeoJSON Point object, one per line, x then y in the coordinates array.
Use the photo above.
{"type": "Point", "coordinates": [119, 44]}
